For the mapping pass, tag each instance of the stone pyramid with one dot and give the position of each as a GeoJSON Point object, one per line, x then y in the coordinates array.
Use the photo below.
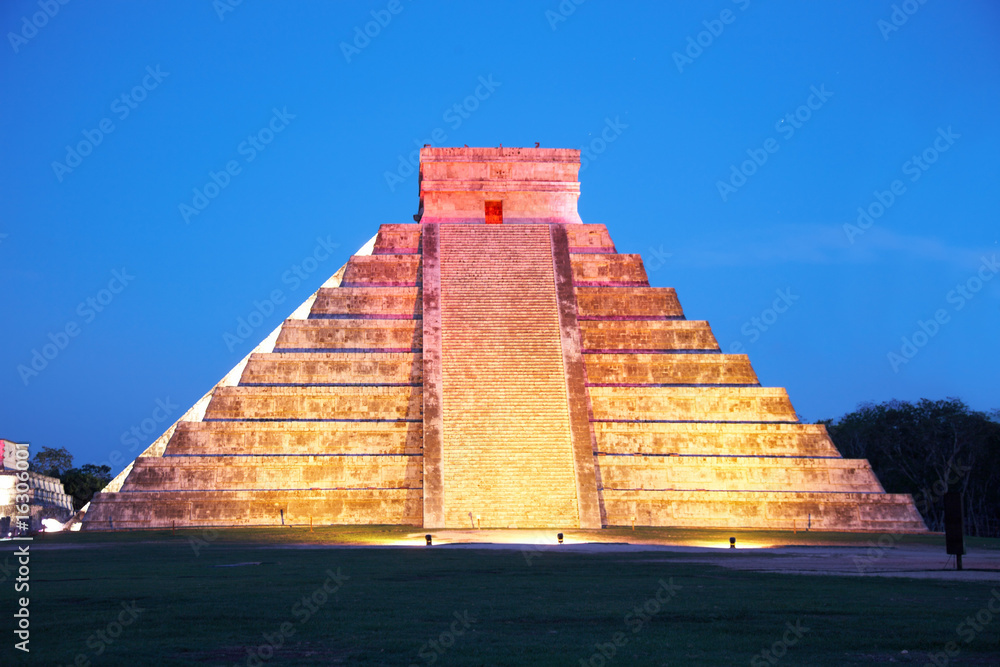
{"type": "Point", "coordinates": [497, 363]}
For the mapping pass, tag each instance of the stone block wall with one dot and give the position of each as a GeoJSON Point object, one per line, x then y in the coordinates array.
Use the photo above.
{"type": "Point", "coordinates": [325, 428]}
{"type": "Point", "coordinates": [401, 303]}
{"type": "Point", "coordinates": [736, 473]}
{"type": "Point", "coordinates": [247, 438]}
{"type": "Point", "coordinates": [685, 436]}
{"type": "Point", "coordinates": [608, 270]}
{"type": "Point", "coordinates": [859, 512]}
{"type": "Point", "coordinates": [715, 439]}
{"type": "Point", "coordinates": [535, 185]}
{"type": "Point", "coordinates": [247, 472]}
{"type": "Point", "coordinates": [347, 402]}
{"type": "Point", "coordinates": [621, 336]}
{"type": "Point", "coordinates": [627, 303]}
{"type": "Point", "coordinates": [663, 369]}
{"type": "Point", "coordinates": [701, 404]}
{"type": "Point", "coordinates": [160, 509]}
{"type": "Point", "coordinates": [383, 271]}
{"type": "Point", "coordinates": [588, 239]}
{"type": "Point", "coordinates": [349, 334]}
{"type": "Point", "coordinates": [321, 368]}
{"type": "Point", "coordinates": [397, 240]}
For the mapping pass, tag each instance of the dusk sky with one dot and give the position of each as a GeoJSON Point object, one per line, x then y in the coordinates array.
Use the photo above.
{"type": "Point", "coordinates": [817, 180]}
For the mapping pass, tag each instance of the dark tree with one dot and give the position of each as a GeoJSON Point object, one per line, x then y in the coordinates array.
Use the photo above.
{"type": "Point", "coordinates": [83, 482]}
{"type": "Point", "coordinates": [928, 448]}
{"type": "Point", "coordinates": [51, 462]}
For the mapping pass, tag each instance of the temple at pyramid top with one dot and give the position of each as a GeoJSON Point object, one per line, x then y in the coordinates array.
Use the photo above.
{"type": "Point", "coordinates": [493, 185]}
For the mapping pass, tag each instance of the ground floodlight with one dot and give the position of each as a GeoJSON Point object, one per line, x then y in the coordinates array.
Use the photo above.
{"type": "Point", "coordinates": [732, 542]}
{"type": "Point", "coordinates": [559, 537]}
{"type": "Point", "coordinates": [428, 538]}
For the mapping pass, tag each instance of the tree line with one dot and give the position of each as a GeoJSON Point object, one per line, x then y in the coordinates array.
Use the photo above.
{"type": "Point", "coordinates": [926, 449]}
{"type": "Point", "coordinates": [80, 483]}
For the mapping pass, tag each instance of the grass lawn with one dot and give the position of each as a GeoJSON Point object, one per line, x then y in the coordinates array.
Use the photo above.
{"type": "Point", "coordinates": [203, 598]}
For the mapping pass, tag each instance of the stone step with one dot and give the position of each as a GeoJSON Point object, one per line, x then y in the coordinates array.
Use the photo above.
{"type": "Point", "coordinates": [608, 270]}
{"type": "Point", "coordinates": [163, 509]}
{"type": "Point", "coordinates": [506, 444]}
{"type": "Point", "coordinates": [669, 369]}
{"type": "Point", "coordinates": [333, 368]}
{"type": "Point", "coordinates": [397, 239]}
{"type": "Point", "coordinates": [703, 404]}
{"type": "Point", "coordinates": [714, 439]}
{"type": "Point", "coordinates": [371, 335]}
{"type": "Point", "coordinates": [315, 403]}
{"type": "Point", "coordinates": [382, 271]}
{"type": "Point", "coordinates": [737, 473]}
{"type": "Point", "coordinates": [631, 336]}
{"type": "Point", "coordinates": [627, 303]}
{"type": "Point", "coordinates": [214, 473]}
{"type": "Point", "coordinates": [258, 438]}
{"type": "Point", "coordinates": [862, 512]}
{"type": "Point", "coordinates": [367, 302]}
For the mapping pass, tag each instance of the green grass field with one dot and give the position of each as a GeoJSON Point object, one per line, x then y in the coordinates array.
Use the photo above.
{"type": "Point", "coordinates": [191, 597]}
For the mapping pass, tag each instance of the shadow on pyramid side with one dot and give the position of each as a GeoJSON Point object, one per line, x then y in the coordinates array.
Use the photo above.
{"type": "Point", "coordinates": [496, 364]}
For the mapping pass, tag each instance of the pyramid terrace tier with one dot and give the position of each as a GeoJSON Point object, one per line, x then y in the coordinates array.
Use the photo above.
{"type": "Point", "coordinates": [397, 240]}
{"type": "Point", "coordinates": [315, 403]}
{"type": "Point", "coordinates": [627, 303]}
{"type": "Point", "coordinates": [296, 438]}
{"type": "Point", "coordinates": [391, 303]}
{"type": "Point", "coordinates": [647, 336]}
{"type": "Point", "coordinates": [589, 239]}
{"type": "Point", "coordinates": [691, 404]}
{"type": "Point", "coordinates": [163, 509]}
{"type": "Point", "coordinates": [318, 335]}
{"type": "Point", "coordinates": [713, 439]}
{"type": "Point", "coordinates": [736, 473]}
{"type": "Point", "coordinates": [860, 512]}
{"type": "Point", "coordinates": [629, 369]}
{"type": "Point", "coordinates": [382, 271]}
{"type": "Point", "coordinates": [608, 270]}
{"type": "Point", "coordinates": [278, 472]}
{"type": "Point", "coordinates": [333, 368]}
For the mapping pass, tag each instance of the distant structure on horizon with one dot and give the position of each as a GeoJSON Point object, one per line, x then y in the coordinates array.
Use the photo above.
{"type": "Point", "coordinates": [46, 498]}
{"type": "Point", "coordinates": [496, 364]}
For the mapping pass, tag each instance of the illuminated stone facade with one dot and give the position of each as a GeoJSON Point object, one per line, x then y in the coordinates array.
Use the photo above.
{"type": "Point", "coordinates": [496, 364]}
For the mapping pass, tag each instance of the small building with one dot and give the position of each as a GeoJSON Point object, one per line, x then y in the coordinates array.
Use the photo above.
{"type": "Point", "coordinates": [47, 499]}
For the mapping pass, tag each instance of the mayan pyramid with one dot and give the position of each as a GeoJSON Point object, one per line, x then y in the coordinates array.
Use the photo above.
{"type": "Point", "coordinates": [496, 363]}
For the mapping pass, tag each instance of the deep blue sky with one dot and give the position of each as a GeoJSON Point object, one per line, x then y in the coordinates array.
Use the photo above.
{"type": "Point", "coordinates": [655, 186]}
